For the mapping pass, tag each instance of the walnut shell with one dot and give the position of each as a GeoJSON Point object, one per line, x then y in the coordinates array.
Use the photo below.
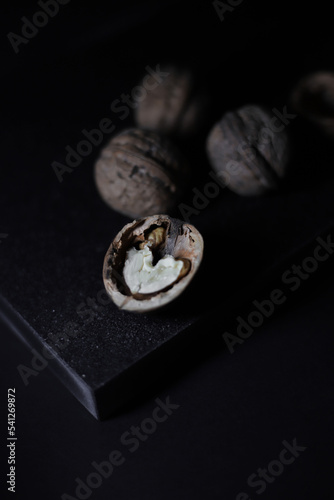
{"type": "Point", "coordinates": [250, 149]}
{"type": "Point", "coordinates": [139, 173]}
{"type": "Point", "coordinates": [183, 241]}
{"type": "Point", "coordinates": [313, 98]}
{"type": "Point", "coordinates": [174, 106]}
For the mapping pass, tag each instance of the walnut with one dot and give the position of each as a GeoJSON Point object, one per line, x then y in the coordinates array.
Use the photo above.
{"type": "Point", "coordinates": [248, 148]}
{"type": "Point", "coordinates": [151, 262]}
{"type": "Point", "coordinates": [140, 173]}
{"type": "Point", "coordinates": [176, 106]}
{"type": "Point", "coordinates": [313, 98]}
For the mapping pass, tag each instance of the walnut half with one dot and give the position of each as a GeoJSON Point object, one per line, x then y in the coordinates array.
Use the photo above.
{"type": "Point", "coordinates": [151, 261]}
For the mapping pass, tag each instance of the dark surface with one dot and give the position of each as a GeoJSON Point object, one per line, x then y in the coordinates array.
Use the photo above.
{"type": "Point", "coordinates": [237, 411]}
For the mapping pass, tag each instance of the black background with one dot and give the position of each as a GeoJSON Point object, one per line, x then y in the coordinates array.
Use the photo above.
{"type": "Point", "coordinates": [235, 409]}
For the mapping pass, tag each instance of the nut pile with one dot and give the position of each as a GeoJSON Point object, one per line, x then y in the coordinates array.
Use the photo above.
{"type": "Point", "coordinates": [143, 175]}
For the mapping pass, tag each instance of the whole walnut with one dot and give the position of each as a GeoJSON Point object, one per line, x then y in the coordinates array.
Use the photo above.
{"type": "Point", "coordinates": [249, 148]}
{"type": "Point", "coordinates": [175, 106]}
{"type": "Point", "coordinates": [140, 172]}
{"type": "Point", "coordinates": [313, 98]}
